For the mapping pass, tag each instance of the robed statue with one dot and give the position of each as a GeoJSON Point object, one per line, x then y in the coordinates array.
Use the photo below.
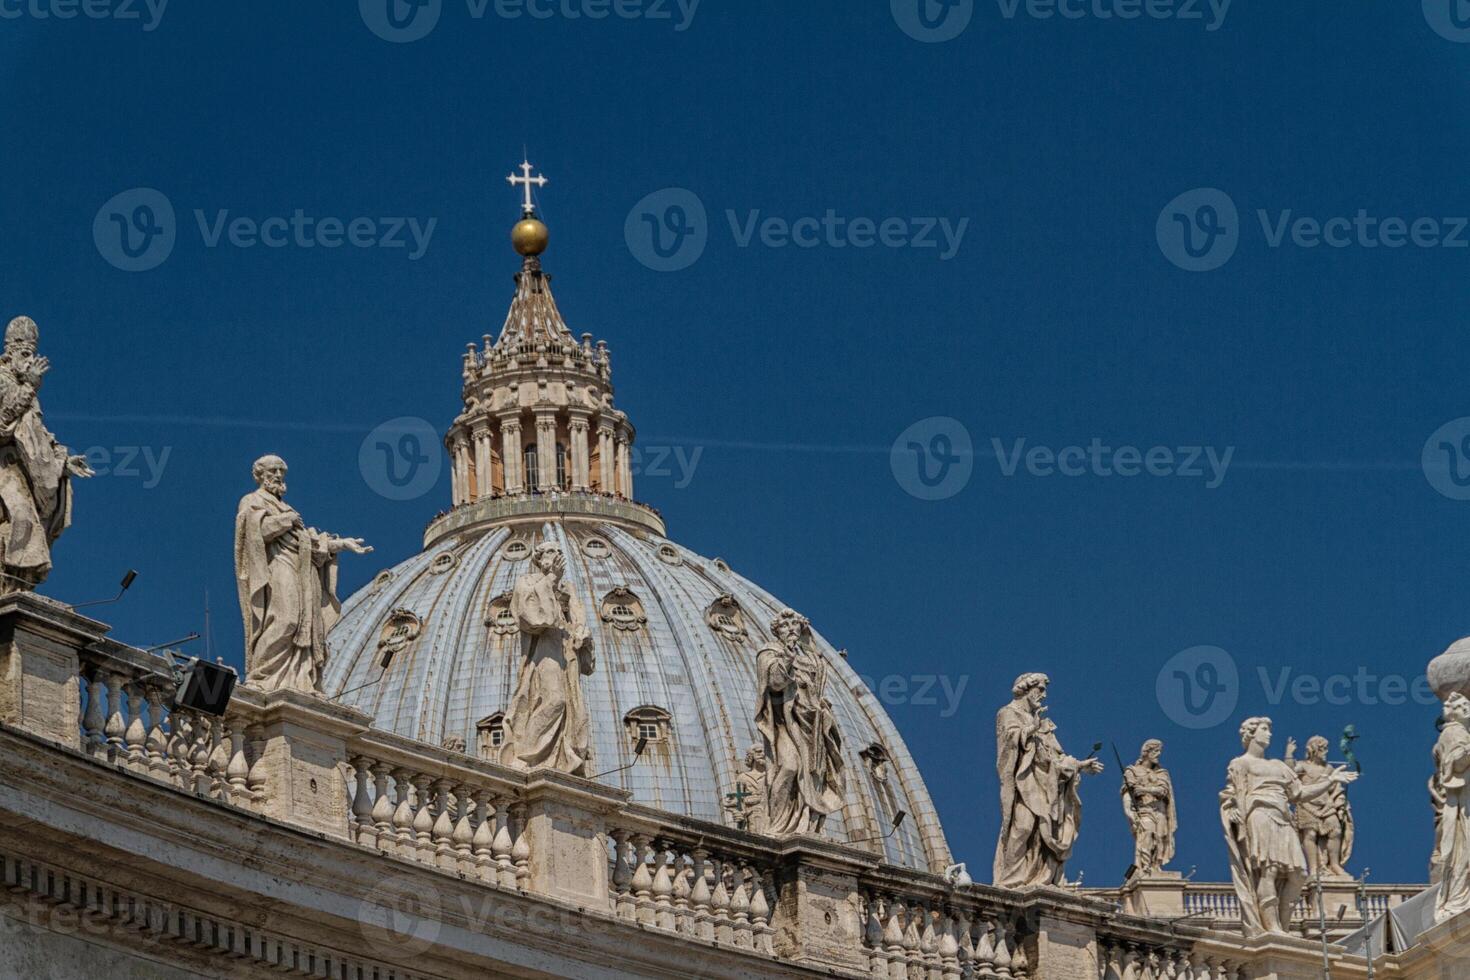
{"type": "Point", "coordinates": [1325, 824]}
{"type": "Point", "coordinates": [35, 469]}
{"type": "Point", "coordinates": [1450, 866]}
{"type": "Point", "coordinates": [1148, 803]}
{"type": "Point", "coordinates": [286, 573]}
{"type": "Point", "coordinates": [1040, 808]}
{"type": "Point", "coordinates": [1267, 864]}
{"type": "Point", "coordinates": [806, 776]}
{"type": "Point", "coordinates": [547, 724]}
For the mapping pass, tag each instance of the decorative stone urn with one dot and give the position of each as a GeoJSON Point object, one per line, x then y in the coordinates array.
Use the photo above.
{"type": "Point", "coordinates": [1450, 671]}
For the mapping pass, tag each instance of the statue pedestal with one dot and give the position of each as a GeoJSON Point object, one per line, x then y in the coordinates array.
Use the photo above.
{"type": "Point", "coordinates": [41, 646]}
{"type": "Point", "coordinates": [566, 829]}
{"type": "Point", "coordinates": [1158, 895]}
{"type": "Point", "coordinates": [304, 747]}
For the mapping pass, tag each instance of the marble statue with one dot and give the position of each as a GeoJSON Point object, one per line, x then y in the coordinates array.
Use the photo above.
{"type": "Point", "coordinates": [35, 470]}
{"type": "Point", "coordinates": [1450, 866]}
{"type": "Point", "coordinates": [286, 574]}
{"type": "Point", "coordinates": [547, 725]}
{"type": "Point", "coordinates": [1040, 808]}
{"type": "Point", "coordinates": [747, 805]}
{"type": "Point", "coordinates": [1267, 864]}
{"type": "Point", "coordinates": [805, 774]}
{"type": "Point", "coordinates": [1325, 824]}
{"type": "Point", "coordinates": [1148, 802]}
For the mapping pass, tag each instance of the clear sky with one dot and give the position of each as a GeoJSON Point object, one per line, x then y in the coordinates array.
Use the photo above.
{"type": "Point", "coordinates": [1065, 307]}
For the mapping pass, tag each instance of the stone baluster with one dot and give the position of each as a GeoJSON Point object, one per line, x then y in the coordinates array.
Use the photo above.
{"type": "Point", "coordinates": [622, 877]}
{"type": "Point", "coordinates": [720, 902]}
{"type": "Point", "coordinates": [463, 836]}
{"type": "Point", "coordinates": [94, 721]}
{"type": "Point", "coordinates": [949, 946]}
{"type": "Point", "coordinates": [116, 717]}
{"type": "Point", "coordinates": [136, 736]}
{"type": "Point", "coordinates": [740, 909]}
{"type": "Point", "coordinates": [423, 818]}
{"type": "Point", "coordinates": [180, 731]}
{"type": "Point", "coordinates": [199, 750]}
{"type": "Point", "coordinates": [663, 887]}
{"type": "Point", "coordinates": [237, 771]}
{"type": "Point", "coordinates": [643, 878]}
{"type": "Point", "coordinates": [403, 843]}
{"type": "Point", "coordinates": [873, 935]}
{"type": "Point", "coordinates": [701, 898]}
{"type": "Point", "coordinates": [913, 955]}
{"type": "Point", "coordinates": [965, 939]}
{"type": "Point", "coordinates": [683, 916]}
{"type": "Point", "coordinates": [156, 745]}
{"type": "Point", "coordinates": [893, 939]}
{"type": "Point", "coordinates": [928, 945]}
{"type": "Point", "coordinates": [382, 813]}
{"type": "Point", "coordinates": [1020, 966]}
{"type": "Point", "coordinates": [255, 749]}
{"type": "Point", "coordinates": [443, 830]}
{"type": "Point", "coordinates": [760, 914]}
{"type": "Point", "coordinates": [520, 851]}
{"type": "Point", "coordinates": [1110, 960]}
{"type": "Point", "coordinates": [484, 837]}
{"type": "Point", "coordinates": [363, 830]}
{"type": "Point", "coordinates": [218, 761]}
{"type": "Point", "coordinates": [1001, 958]}
{"type": "Point", "coordinates": [503, 844]}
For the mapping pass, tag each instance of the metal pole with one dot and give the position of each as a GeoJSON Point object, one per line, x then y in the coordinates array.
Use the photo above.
{"type": "Point", "coordinates": [1363, 914]}
{"type": "Point", "coordinates": [1322, 924]}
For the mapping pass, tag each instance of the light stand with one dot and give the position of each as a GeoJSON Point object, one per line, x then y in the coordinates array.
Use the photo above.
{"type": "Point", "coordinates": [898, 819]}
{"type": "Point", "coordinates": [638, 750]}
{"type": "Point", "coordinates": [127, 581]}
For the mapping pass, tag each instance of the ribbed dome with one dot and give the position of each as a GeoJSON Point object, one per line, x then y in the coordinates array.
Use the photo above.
{"type": "Point", "coordinates": [674, 632]}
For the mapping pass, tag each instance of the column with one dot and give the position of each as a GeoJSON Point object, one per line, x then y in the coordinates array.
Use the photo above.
{"type": "Point", "coordinates": [624, 475]}
{"type": "Point", "coordinates": [545, 450]}
{"type": "Point", "coordinates": [581, 460]}
{"type": "Point", "coordinates": [482, 460]}
{"type": "Point", "coordinates": [510, 453]}
{"type": "Point", "coordinates": [606, 464]}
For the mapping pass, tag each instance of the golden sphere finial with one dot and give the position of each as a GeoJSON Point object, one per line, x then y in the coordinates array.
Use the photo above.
{"type": "Point", "coordinates": [530, 236]}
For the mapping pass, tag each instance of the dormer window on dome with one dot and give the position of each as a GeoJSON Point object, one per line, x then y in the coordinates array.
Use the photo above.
{"type": "Point", "coordinates": [490, 736]}
{"type": "Point", "coordinates": [623, 610]}
{"type": "Point", "coordinates": [516, 550]}
{"type": "Point", "coordinates": [499, 617]}
{"type": "Point", "coordinates": [648, 722]}
{"type": "Point", "coordinates": [725, 617]}
{"type": "Point", "coordinates": [401, 629]}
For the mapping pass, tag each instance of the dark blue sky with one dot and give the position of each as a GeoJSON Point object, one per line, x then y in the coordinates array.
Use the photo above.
{"type": "Point", "coordinates": [1060, 319]}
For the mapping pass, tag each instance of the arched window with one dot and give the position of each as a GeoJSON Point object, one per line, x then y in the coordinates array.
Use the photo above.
{"type": "Point", "coordinates": [623, 610]}
{"type": "Point", "coordinates": [499, 617]}
{"type": "Point", "coordinates": [562, 480]}
{"type": "Point", "coordinates": [401, 628]}
{"type": "Point", "coordinates": [533, 473]}
{"type": "Point", "coordinates": [725, 617]}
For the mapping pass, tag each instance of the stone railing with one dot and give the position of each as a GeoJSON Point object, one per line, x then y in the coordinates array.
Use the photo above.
{"type": "Point", "coordinates": [693, 878]}
{"type": "Point", "coordinates": [126, 720]}
{"type": "Point", "coordinates": [802, 903]}
{"type": "Point", "coordinates": [615, 510]}
{"type": "Point", "coordinates": [439, 808]}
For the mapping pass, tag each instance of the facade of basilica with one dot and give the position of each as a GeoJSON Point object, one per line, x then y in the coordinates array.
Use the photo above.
{"type": "Point", "coordinates": [556, 743]}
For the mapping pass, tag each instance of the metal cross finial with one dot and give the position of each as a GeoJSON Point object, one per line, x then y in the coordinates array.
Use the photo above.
{"type": "Point", "coordinates": [529, 208]}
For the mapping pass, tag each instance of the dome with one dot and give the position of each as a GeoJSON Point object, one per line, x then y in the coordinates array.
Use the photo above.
{"type": "Point", "coordinates": [676, 636]}
{"type": "Point", "coordinates": [540, 453]}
